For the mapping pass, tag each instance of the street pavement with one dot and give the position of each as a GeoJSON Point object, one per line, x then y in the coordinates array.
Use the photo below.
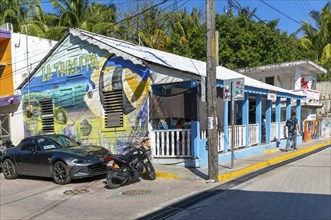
{"type": "Point", "coordinates": [241, 166]}
{"type": "Point", "coordinates": [40, 198]}
{"type": "Point", "coordinates": [299, 190]}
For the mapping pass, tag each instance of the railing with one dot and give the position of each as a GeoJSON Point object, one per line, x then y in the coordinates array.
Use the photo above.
{"type": "Point", "coordinates": [240, 134]}
{"type": "Point", "coordinates": [273, 131]}
{"type": "Point", "coordinates": [175, 143]}
{"type": "Point", "coordinates": [253, 134]}
{"type": "Point", "coordinates": [283, 130]}
{"type": "Point", "coordinates": [171, 143]}
{"type": "Point", "coordinates": [220, 136]}
{"type": "Point", "coordinates": [220, 140]}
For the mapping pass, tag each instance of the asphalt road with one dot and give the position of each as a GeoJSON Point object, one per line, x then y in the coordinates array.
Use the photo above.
{"type": "Point", "coordinates": [40, 198]}
{"type": "Point", "coordinates": [298, 190]}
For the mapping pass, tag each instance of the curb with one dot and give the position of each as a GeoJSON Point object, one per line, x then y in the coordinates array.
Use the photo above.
{"type": "Point", "coordinates": [254, 167]}
{"type": "Point", "coordinates": [268, 151]}
{"type": "Point", "coordinates": [165, 175]}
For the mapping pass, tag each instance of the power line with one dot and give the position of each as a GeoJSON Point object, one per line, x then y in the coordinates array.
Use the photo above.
{"type": "Point", "coordinates": [131, 17]}
{"type": "Point", "coordinates": [280, 12]}
{"type": "Point", "coordinates": [303, 10]}
{"type": "Point", "coordinates": [140, 13]}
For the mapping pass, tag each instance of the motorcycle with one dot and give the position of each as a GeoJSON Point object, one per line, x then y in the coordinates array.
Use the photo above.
{"type": "Point", "coordinates": [128, 167]}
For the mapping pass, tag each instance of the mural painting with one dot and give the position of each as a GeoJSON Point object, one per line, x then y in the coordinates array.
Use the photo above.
{"type": "Point", "coordinates": [91, 95]}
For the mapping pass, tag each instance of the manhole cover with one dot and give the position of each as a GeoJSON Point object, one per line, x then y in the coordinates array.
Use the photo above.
{"type": "Point", "coordinates": [75, 192]}
{"type": "Point", "coordinates": [137, 192]}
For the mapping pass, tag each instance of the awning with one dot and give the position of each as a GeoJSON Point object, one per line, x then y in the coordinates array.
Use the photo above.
{"type": "Point", "coordinates": [10, 100]}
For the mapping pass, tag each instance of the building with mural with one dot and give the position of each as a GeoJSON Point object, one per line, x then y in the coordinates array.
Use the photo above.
{"type": "Point", "coordinates": [104, 91]}
{"type": "Point", "coordinates": [19, 54]}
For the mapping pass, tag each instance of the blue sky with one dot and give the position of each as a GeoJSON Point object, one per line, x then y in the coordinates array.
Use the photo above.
{"type": "Point", "coordinates": [290, 12]}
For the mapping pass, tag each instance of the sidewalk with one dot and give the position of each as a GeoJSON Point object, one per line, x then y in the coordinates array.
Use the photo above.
{"type": "Point", "coordinates": [241, 166]}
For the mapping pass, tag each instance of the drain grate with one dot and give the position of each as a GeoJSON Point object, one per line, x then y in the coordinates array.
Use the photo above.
{"type": "Point", "coordinates": [137, 192]}
{"type": "Point", "coordinates": [73, 192]}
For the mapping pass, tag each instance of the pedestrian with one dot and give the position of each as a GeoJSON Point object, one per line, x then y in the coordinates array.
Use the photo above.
{"type": "Point", "coordinates": [293, 129]}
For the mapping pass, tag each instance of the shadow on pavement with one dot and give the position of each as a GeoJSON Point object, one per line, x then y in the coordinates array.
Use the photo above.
{"type": "Point", "coordinates": [300, 206]}
{"type": "Point", "coordinates": [198, 173]}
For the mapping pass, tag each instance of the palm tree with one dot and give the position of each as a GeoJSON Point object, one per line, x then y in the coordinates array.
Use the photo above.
{"type": "Point", "coordinates": [185, 24]}
{"type": "Point", "coordinates": [95, 17]}
{"type": "Point", "coordinates": [145, 25]}
{"type": "Point", "coordinates": [317, 40]}
{"type": "Point", "coordinates": [17, 12]}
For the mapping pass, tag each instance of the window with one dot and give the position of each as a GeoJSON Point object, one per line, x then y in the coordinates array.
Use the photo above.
{"type": "Point", "coordinates": [47, 144]}
{"type": "Point", "coordinates": [113, 106]}
{"type": "Point", "coordinates": [4, 128]}
{"type": "Point", "coordinates": [47, 115]}
{"type": "Point", "coordinates": [270, 80]}
{"type": "Point", "coordinates": [28, 145]}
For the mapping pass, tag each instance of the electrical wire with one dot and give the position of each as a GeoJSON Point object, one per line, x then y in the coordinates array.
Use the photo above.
{"type": "Point", "coordinates": [280, 12]}
{"type": "Point", "coordinates": [303, 10]}
{"type": "Point", "coordinates": [22, 68]}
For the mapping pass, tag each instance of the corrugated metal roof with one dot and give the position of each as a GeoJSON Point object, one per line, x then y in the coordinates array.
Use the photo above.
{"type": "Point", "coordinates": [175, 61]}
{"type": "Point", "coordinates": [162, 58]}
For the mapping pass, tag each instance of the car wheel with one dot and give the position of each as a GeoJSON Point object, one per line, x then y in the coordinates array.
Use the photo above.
{"type": "Point", "coordinates": [9, 170]}
{"type": "Point", "coordinates": [60, 173]}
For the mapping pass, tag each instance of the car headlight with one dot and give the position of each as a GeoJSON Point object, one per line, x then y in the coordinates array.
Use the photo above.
{"type": "Point", "coordinates": [79, 161]}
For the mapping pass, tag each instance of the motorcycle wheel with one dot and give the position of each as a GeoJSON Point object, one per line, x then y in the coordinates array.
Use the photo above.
{"type": "Point", "coordinates": [112, 182]}
{"type": "Point", "coordinates": [150, 171]}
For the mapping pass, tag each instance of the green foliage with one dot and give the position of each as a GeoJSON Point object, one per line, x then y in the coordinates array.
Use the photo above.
{"type": "Point", "coordinates": [187, 34]}
{"type": "Point", "coordinates": [147, 28]}
{"type": "Point", "coordinates": [17, 12]}
{"type": "Point", "coordinates": [317, 40]}
{"type": "Point", "coordinates": [246, 43]}
{"type": "Point", "coordinates": [194, 47]}
{"type": "Point", "coordinates": [243, 42]}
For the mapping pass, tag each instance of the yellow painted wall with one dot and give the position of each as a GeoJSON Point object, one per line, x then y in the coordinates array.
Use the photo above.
{"type": "Point", "coordinates": [6, 74]}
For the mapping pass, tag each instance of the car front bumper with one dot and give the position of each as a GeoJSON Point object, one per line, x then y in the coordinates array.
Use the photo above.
{"type": "Point", "coordinates": [88, 170]}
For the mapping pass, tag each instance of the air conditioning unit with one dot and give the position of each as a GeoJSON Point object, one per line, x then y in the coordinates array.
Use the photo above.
{"type": "Point", "coordinates": [7, 26]}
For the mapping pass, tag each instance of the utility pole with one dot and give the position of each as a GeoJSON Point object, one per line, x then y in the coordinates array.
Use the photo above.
{"type": "Point", "coordinates": [211, 92]}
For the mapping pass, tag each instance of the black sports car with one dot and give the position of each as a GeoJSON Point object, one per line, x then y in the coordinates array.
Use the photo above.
{"type": "Point", "coordinates": [56, 156]}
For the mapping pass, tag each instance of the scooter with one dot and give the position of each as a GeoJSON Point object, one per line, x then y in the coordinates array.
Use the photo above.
{"type": "Point", "coordinates": [128, 167]}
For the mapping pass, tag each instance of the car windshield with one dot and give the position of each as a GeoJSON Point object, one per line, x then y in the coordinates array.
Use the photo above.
{"type": "Point", "coordinates": [56, 142]}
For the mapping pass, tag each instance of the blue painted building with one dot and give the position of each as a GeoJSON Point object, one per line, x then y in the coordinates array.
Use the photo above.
{"type": "Point", "coordinates": [102, 90]}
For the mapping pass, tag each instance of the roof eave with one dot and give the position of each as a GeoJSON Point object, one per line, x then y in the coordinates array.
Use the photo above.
{"type": "Point", "coordinates": [43, 60]}
{"type": "Point", "coordinates": [318, 68]}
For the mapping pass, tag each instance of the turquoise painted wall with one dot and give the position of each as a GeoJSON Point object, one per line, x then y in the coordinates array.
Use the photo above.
{"type": "Point", "coordinates": [75, 77]}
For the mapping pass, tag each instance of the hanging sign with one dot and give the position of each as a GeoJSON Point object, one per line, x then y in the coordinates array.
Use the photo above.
{"type": "Point", "coordinates": [272, 96]}
{"type": "Point", "coordinates": [238, 89]}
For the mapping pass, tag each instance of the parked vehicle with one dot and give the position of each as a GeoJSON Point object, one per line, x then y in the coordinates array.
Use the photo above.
{"type": "Point", "coordinates": [56, 156]}
{"type": "Point", "coordinates": [3, 148]}
{"type": "Point", "coordinates": [128, 167]}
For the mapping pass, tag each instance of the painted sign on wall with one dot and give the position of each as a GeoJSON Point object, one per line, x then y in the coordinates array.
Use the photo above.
{"type": "Point", "coordinates": [79, 91]}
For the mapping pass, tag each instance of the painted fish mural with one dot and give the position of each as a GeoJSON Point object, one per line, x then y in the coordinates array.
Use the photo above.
{"type": "Point", "coordinates": [67, 97]}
